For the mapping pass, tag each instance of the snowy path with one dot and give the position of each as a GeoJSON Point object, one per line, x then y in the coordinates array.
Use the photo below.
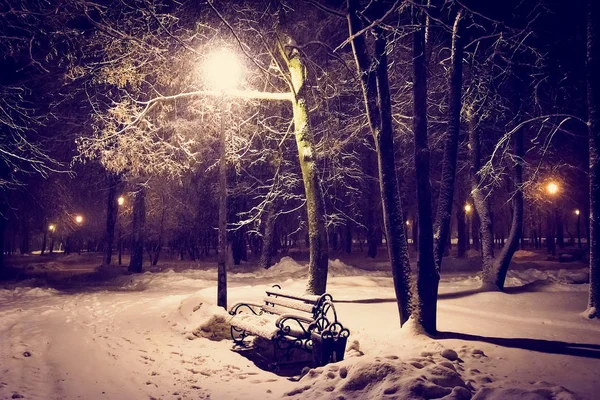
{"type": "Point", "coordinates": [133, 341]}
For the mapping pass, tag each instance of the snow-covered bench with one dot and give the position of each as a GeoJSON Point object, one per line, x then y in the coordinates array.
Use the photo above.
{"type": "Point", "coordinates": [292, 321]}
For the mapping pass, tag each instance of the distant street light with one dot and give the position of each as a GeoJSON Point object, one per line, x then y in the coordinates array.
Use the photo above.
{"type": "Point", "coordinates": [222, 71]}
{"type": "Point", "coordinates": [578, 228]}
{"type": "Point", "coordinates": [552, 189]}
{"type": "Point", "coordinates": [78, 219]}
{"type": "Point", "coordinates": [468, 230]}
{"type": "Point", "coordinates": [52, 228]}
{"type": "Point", "coordinates": [120, 202]}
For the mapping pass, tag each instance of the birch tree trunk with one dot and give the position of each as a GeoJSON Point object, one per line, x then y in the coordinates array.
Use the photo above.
{"type": "Point", "coordinates": [375, 90]}
{"type": "Point", "coordinates": [593, 98]}
{"type": "Point", "coordinates": [446, 195]}
{"type": "Point", "coordinates": [315, 203]}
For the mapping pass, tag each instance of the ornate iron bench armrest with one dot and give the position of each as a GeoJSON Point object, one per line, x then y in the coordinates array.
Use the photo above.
{"type": "Point", "coordinates": [294, 325]}
{"type": "Point", "coordinates": [255, 308]}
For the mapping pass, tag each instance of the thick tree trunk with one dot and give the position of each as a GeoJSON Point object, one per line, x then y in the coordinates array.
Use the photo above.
{"type": "Point", "coordinates": [494, 278]}
{"type": "Point", "coordinates": [138, 228]}
{"type": "Point", "coordinates": [315, 203]}
{"type": "Point", "coordinates": [112, 208]}
{"type": "Point", "coordinates": [390, 195]}
{"type": "Point", "coordinates": [373, 200]}
{"type": "Point", "coordinates": [428, 275]}
{"type": "Point", "coordinates": [375, 90]}
{"type": "Point", "coordinates": [593, 98]}
{"type": "Point", "coordinates": [446, 195]}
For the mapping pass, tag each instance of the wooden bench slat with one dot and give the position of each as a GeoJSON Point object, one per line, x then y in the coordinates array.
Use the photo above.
{"type": "Point", "coordinates": [279, 310]}
{"type": "Point", "coordinates": [286, 302]}
{"type": "Point", "coordinates": [312, 298]}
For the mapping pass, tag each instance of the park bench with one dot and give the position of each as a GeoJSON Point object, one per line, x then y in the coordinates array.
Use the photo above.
{"type": "Point", "coordinates": [292, 322]}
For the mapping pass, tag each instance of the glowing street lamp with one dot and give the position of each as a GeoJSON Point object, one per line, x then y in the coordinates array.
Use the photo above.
{"type": "Point", "coordinates": [552, 188]}
{"type": "Point", "coordinates": [52, 227]}
{"type": "Point", "coordinates": [467, 208]}
{"type": "Point", "coordinates": [78, 219]}
{"type": "Point", "coordinates": [223, 71]}
{"type": "Point", "coordinates": [121, 200]}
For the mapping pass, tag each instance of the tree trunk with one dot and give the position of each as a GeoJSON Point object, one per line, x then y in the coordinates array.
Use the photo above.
{"type": "Point", "coordinates": [446, 195]}
{"type": "Point", "coordinates": [315, 203]}
{"type": "Point", "coordinates": [373, 199]}
{"type": "Point", "coordinates": [111, 217]}
{"type": "Point", "coordinates": [348, 237]}
{"type": "Point", "coordinates": [494, 278]}
{"type": "Point", "coordinates": [593, 98]}
{"type": "Point", "coordinates": [268, 249]}
{"type": "Point", "coordinates": [480, 198]}
{"type": "Point", "coordinates": [138, 228]}
{"type": "Point", "coordinates": [375, 88]}
{"type": "Point", "coordinates": [44, 239]}
{"type": "Point", "coordinates": [161, 232]}
{"type": "Point", "coordinates": [428, 276]}
{"type": "Point", "coordinates": [3, 225]}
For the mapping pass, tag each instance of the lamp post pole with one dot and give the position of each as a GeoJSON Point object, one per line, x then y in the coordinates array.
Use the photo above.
{"type": "Point", "coordinates": [222, 258]}
{"type": "Point", "coordinates": [578, 228]}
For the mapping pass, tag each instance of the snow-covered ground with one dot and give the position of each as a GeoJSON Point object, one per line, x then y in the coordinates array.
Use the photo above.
{"type": "Point", "coordinates": [160, 336]}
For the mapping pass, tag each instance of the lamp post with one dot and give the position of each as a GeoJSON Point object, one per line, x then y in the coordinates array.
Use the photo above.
{"type": "Point", "coordinates": [223, 72]}
{"type": "Point", "coordinates": [78, 221]}
{"type": "Point", "coordinates": [578, 213]}
{"type": "Point", "coordinates": [552, 189]}
{"type": "Point", "coordinates": [51, 229]}
{"type": "Point", "coordinates": [120, 203]}
{"type": "Point", "coordinates": [467, 231]}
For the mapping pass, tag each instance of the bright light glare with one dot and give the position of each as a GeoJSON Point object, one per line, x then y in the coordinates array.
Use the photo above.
{"type": "Point", "coordinates": [576, 212]}
{"type": "Point", "coordinates": [121, 200]}
{"type": "Point", "coordinates": [223, 70]}
{"type": "Point", "coordinates": [468, 208]}
{"type": "Point", "coordinates": [51, 227]}
{"type": "Point", "coordinates": [407, 222]}
{"type": "Point", "coordinates": [552, 188]}
{"type": "Point", "coordinates": [78, 219]}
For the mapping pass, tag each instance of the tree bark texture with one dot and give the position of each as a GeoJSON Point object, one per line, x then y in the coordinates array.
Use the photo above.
{"type": "Point", "coordinates": [138, 227]}
{"type": "Point", "coordinates": [112, 208]}
{"type": "Point", "coordinates": [428, 276]}
{"type": "Point", "coordinates": [593, 98]}
{"type": "Point", "coordinates": [375, 88]}
{"type": "Point", "coordinates": [446, 195]}
{"type": "Point", "coordinates": [315, 203]}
